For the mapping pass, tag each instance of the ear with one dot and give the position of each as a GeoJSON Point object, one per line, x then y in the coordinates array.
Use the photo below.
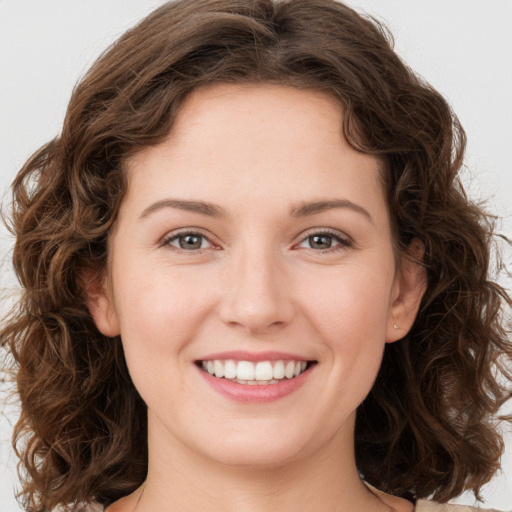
{"type": "Point", "coordinates": [99, 302]}
{"type": "Point", "coordinates": [408, 289]}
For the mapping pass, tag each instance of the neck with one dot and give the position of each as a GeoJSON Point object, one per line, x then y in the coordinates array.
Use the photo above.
{"type": "Point", "coordinates": [186, 481]}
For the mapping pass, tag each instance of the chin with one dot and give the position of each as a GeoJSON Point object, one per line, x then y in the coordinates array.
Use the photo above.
{"type": "Point", "coordinates": [260, 449]}
{"type": "Point", "coordinates": [255, 457]}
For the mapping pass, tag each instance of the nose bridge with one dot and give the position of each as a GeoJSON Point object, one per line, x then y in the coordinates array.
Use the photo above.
{"type": "Point", "coordinates": [257, 295]}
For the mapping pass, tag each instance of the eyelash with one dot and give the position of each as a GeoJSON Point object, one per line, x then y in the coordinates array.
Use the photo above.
{"type": "Point", "coordinates": [166, 241]}
{"type": "Point", "coordinates": [343, 241]}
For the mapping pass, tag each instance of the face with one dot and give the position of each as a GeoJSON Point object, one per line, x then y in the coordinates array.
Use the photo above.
{"type": "Point", "coordinates": [252, 278]}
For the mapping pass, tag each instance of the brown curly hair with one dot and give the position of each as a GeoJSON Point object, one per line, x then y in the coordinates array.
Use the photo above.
{"type": "Point", "coordinates": [428, 424]}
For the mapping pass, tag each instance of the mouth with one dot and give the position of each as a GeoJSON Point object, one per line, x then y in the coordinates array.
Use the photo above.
{"type": "Point", "coordinates": [251, 373]}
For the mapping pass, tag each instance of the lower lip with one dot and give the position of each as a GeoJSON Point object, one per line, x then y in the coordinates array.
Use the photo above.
{"type": "Point", "coordinates": [255, 393]}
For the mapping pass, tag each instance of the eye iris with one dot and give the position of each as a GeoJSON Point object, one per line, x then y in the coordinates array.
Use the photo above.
{"type": "Point", "coordinates": [189, 242]}
{"type": "Point", "coordinates": [320, 241]}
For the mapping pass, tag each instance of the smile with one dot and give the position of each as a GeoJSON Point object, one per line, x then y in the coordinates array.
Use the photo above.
{"type": "Point", "coordinates": [254, 373]}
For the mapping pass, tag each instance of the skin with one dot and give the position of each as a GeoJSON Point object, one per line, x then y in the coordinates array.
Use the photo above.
{"type": "Point", "coordinates": [258, 283]}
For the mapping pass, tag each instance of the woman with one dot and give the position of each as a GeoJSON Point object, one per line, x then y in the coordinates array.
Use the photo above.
{"type": "Point", "coordinates": [252, 280]}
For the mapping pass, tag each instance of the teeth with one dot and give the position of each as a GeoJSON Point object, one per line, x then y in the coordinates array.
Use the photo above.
{"type": "Point", "coordinates": [256, 382]}
{"type": "Point", "coordinates": [219, 369]}
{"type": "Point", "coordinates": [230, 369]}
{"type": "Point", "coordinates": [246, 372]}
{"type": "Point", "coordinates": [264, 371]}
{"type": "Point", "coordinates": [289, 370]}
{"type": "Point", "coordinates": [279, 370]}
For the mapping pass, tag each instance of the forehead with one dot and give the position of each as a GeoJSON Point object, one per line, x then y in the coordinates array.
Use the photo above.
{"type": "Point", "coordinates": [258, 101]}
{"type": "Point", "coordinates": [274, 141]}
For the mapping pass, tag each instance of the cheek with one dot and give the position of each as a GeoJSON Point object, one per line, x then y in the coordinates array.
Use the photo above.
{"type": "Point", "coordinates": [158, 311]}
{"type": "Point", "coordinates": [158, 317]}
{"type": "Point", "coordinates": [350, 302]}
{"type": "Point", "coordinates": [346, 314]}
{"type": "Point", "coordinates": [350, 320]}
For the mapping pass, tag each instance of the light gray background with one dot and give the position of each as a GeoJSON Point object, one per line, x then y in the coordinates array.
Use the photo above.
{"type": "Point", "coordinates": [463, 47]}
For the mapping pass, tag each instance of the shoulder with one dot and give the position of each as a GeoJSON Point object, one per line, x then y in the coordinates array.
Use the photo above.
{"type": "Point", "coordinates": [92, 507]}
{"type": "Point", "coordinates": [83, 507]}
{"type": "Point", "coordinates": [431, 506]}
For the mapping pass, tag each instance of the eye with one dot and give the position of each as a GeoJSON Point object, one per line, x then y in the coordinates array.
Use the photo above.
{"type": "Point", "coordinates": [188, 241]}
{"type": "Point", "coordinates": [325, 241]}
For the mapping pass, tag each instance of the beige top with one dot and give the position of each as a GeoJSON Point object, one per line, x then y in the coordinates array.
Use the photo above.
{"type": "Point", "coordinates": [430, 506]}
{"type": "Point", "coordinates": [421, 506]}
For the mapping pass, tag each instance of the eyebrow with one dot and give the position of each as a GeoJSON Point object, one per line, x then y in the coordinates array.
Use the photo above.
{"type": "Point", "coordinates": [212, 210]}
{"type": "Point", "coordinates": [314, 207]}
{"type": "Point", "coordinates": [200, 207]}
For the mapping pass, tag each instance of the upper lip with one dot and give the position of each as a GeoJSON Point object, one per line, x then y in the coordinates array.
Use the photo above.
{"type": "Point", "coordinates": [242, 355]}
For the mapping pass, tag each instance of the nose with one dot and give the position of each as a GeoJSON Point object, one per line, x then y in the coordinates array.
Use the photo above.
{"type": "Point", "coordinates": [257, 294]}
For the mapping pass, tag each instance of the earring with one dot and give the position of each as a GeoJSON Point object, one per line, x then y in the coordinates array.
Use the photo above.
{"type": "Point", "coordinates": [395, 326]}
